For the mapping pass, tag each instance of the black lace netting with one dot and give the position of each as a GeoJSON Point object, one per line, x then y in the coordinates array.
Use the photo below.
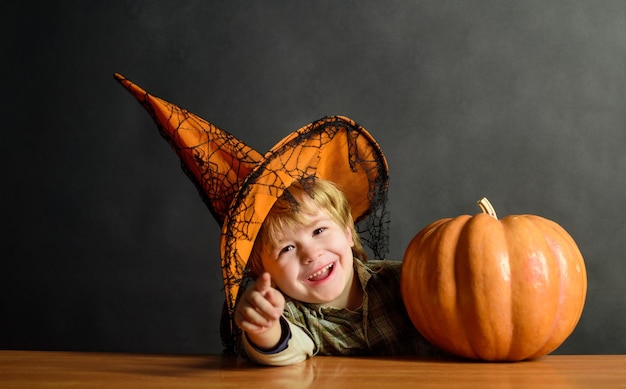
{"type": "Point", "coordinates": [223, 170]}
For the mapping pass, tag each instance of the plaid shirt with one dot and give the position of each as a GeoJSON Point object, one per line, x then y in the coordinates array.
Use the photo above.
{"type": "Point", "coordinates": [381, 326]}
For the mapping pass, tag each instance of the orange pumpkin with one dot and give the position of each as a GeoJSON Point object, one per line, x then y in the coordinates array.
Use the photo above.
{"type": "Point", "coordinates": [496, 290]}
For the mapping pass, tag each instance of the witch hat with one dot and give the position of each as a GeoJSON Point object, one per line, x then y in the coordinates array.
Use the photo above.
{"type": "Point", "coordinates": [240, 186]}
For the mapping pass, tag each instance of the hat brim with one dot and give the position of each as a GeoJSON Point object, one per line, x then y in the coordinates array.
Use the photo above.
{"type": "Point", "coordinates": [334, 148]}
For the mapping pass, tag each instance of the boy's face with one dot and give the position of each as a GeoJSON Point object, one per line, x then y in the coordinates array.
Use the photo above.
{"type": "Point", "coordinates": [313, 263]}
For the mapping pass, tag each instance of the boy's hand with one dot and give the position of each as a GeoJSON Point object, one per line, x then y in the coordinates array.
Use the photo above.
{"type": "Point", "coordinates": [259, 311]}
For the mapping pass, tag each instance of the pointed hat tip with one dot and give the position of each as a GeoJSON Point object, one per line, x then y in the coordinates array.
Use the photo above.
{"type": "Point", "coordinates": [133, 88]}
{"type": "Point", "coordinates": [121, 79]}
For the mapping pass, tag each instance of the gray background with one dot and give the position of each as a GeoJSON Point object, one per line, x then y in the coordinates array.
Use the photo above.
{"type": "Point", "coordinates": [106, 244]}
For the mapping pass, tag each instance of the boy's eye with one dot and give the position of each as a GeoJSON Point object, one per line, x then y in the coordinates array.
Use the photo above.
{"type": "Point", "coordinates": [286, 249]}
{"type": "Point", "coordinates": [318, 231]}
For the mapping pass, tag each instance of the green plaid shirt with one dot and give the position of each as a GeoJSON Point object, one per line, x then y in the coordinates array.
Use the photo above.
{"type": "Point", "coordinates": [381, 326]}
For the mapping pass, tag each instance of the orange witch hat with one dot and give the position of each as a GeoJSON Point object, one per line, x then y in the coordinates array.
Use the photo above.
{"type": "Point", "coordinates": [240, 186]}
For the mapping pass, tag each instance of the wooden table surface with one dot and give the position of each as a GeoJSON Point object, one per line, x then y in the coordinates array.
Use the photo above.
{"type": "Point", "coordinates": [54, 369]}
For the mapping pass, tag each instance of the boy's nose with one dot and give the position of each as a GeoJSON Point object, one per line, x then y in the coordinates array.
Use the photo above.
{"type": "Point", "coordinates": [310, 253]}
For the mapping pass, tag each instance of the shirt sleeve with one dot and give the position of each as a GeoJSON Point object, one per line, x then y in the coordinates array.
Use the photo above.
{"type": "Point", "coordinates": [299, 346]}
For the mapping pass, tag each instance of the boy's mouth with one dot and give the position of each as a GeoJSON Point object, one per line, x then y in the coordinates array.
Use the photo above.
{"type": "Point", "coordinates": [322, 273]}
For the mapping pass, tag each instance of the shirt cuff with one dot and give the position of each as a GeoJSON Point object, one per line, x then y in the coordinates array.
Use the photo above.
{"type": "Point", "coordinates": [285, 335]}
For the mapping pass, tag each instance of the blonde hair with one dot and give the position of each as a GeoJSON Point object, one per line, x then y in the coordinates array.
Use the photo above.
{"type": "Point", "coordinates": [291, 211]}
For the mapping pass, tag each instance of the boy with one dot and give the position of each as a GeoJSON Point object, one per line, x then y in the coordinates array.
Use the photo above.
{"type": "Point", "coordinates": [315, 294]}
{"type": "Point", "coordinates": [329, 303]}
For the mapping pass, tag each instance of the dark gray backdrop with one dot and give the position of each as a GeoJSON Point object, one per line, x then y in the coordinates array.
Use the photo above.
{"type": "Point", "coordinates": [107, 245]}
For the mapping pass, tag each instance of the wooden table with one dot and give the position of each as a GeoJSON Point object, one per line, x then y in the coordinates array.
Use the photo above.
{"type": "Point", "coordinates": [37, 369]}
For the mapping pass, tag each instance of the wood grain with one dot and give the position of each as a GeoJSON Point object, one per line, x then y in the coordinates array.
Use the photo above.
{"type": "Point", "coordinates": [38, 369]}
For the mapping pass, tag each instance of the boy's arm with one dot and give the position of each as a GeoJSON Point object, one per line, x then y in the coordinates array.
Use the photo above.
{"type": "Point", "coordinates": [268, 338]}
{"type": "Point", "coordinates": [295, 346]}
{"type": "Point", "coordinates": [259, 311]}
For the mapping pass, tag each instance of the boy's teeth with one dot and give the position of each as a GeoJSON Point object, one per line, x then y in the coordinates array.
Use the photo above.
{"type": "Point", "coordinates": [319, 273]}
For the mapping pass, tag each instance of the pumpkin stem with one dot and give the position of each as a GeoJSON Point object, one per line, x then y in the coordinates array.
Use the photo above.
{"type": "Point", "coordinates": [487, 208]}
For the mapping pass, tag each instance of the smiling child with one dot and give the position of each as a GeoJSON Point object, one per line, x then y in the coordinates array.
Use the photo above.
{"type": "Point", "coordinates": [287, 227]}
{"type": "Point", "coordinates": [315, 292]}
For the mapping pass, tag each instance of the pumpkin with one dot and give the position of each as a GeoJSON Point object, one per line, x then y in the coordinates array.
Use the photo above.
{"type": "Point", "coordinates": [496, 290]}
